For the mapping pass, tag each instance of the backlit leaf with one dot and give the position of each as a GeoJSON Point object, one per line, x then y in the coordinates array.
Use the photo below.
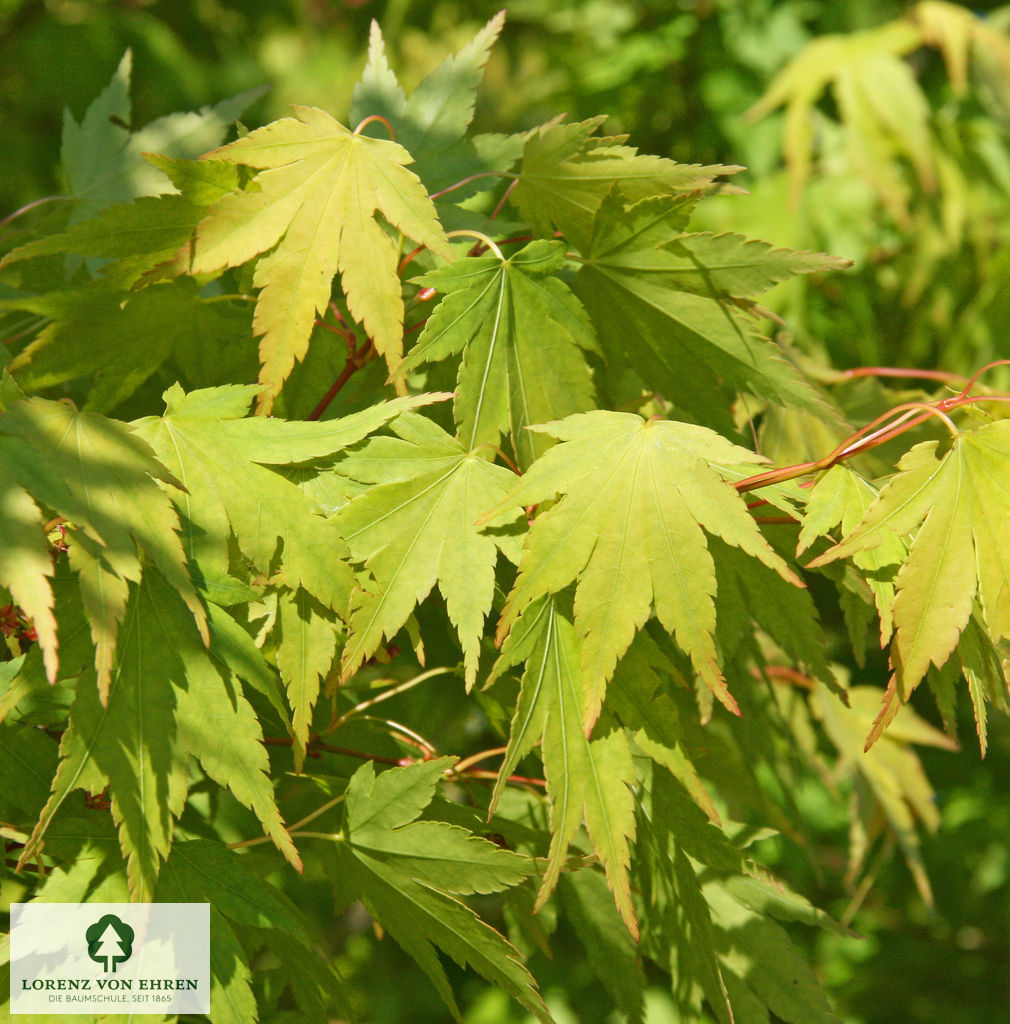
{"type": "Point", "coordinates": [629, 530]}
{"type": "Point", "coordinates": [317, 193]}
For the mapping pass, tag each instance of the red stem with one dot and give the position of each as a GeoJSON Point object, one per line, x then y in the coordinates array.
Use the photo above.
{"type": "Point", "coordinates": [355, 361]}
{"type": "Point", "coordinates": [872, 435]}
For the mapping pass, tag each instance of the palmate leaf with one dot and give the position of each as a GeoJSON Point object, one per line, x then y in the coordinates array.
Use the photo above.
{"type": "Point", "coordinates": [567, 172]}
{"type": "Point", "coordinates": [314, 204]}
{"type": "Point", "coordinates": [104, 480]}
{"type": "Point", "coordinates": [523, 336]}
{"type": "Point", "coordinates": [958, 507]}
{"type": "Point", "coordinates": [408, 872]}
{"type": "Point", "coordinates": [877, 120]}
{"type": "Point", "coordinates": [168, 698]}
{"type": "Point", "coordinates": [840, 498]}
{"type": "Point", "coordinates": [894, 787]}
{"type": "Point", "coordinates": [118, 339]}
{"type": "Point", "coordinates": [306, 646]}
{"type": "Point", "coordinates": [416, 525]}
{"type": "Point", "coordinates": [198, 871]}
{"type": "Point", "coordinates": [431, 123]}
{"type": "Point", "coordinates": [663, 299]}
{"type": "Point", "coordinates": [221, 455]}
{"type": "Point", "coordinates": [587, 780]}
{"type": "Point", "coordinates": [629, 530]}
{"type": "Point", "coordinates": [103, 159]}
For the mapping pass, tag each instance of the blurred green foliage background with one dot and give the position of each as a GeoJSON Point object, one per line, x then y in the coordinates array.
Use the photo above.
{"type": "Point", "coordinates": [879, 132]}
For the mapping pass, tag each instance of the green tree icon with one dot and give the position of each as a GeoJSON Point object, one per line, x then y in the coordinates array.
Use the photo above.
{"type": "Point", "coordinates": [110, 941]}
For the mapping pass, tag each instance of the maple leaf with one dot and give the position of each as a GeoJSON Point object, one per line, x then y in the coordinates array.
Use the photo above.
{"type": "Point", "coordinates": [222, 456]}
{"type": "Point", "coordinates": [416, 526]}
{"type": "Point", "coordinates": [306, 645]}
{"type": "Point", "coordinates": [431, 123]}
{"type": "Point", "coordinates": [313, 204]}
{"type": "Point", "coordinates": [104, 480]}
{"type": "Point", "coordinates": [629, 530]}
{"type": "Point", "coordinates": [103, 159]}
{"type": "Point", "coordinates": [586, 779]}
{"type": "Point", "coordinates": [199, 871]}
{"type": "Point", "coordinates": [840, 497]}
{"type": "Point", "coordinates": [136, 744]}
{"type": "Point", "coordinates": [408, 872]}
{"type": "Point", "coordinates": [881, 106]}
{"type": "Point", "coordinates": [118, 339]}
{"type": "Point", "coordinates": [894, 782]}
{"type": "Point", "coordinates": [566, 174]}
{"type": "Point", "coordinates": [522, 334]}
{"type": "Point", "coordinates": [664, 300]}
{"type": "Point", "coordinates": [956, 506]}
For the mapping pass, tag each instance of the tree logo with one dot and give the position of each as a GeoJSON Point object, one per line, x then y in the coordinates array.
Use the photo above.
{"type": "Point", "coordinates": [110, 942]}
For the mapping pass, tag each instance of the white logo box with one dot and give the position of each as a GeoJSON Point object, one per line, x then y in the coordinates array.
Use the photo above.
{"type": "Point", "coordinates": [110, 958]}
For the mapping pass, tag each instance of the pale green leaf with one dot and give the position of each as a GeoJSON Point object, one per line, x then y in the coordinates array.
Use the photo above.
{"type": "Point", "coordinates": [956, 507]}
{"type": "Point", "coordinates": [629, 531]}
{"type": "Point", "coordinates": [381, 815]}
{"type": "Point", "coordinates": [26, 563]}
{"type": "Point", "coordinates": [394, 797]}
{"type": "Point", "coordinates": [319, 188]}
{"type": "Point", "coordinates": [221, 458]}
{"type": "Point", "coordinates": [103, 159]}
{"type": "Point", "coordinates": [840, 498]}
{"type": "Point", "coordinates": [431, 122]}
{"type": "Point", "coordinates": [306, 646]}
{"type": "Point", "coordinates": [167, 699]}
{"type": "Point", "coordinates": [894, 780]}
{"type": "Point", "coordinates": [761, 956]}
{"type": "Point", "coordinates": [103, 479]}
{"type": "Point", "coordinates": [567, 171]}
{"type": "Point", "coordinates": [398, 883]}
{"type": "Point", "coordinates": [416, 527]}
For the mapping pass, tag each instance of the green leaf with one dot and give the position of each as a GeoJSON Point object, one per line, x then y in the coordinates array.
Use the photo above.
{"type": "Point", "coordinates": [448, 858]}
{"type": "Point", "coordinates": [961, 548]}
{"type": "Point", "coordinates": [840, 498]}
{"type": "Point", "coordinates": [629, 531]}
{"type": "Point", "coordinates": [652, 298]}
{"type": "Point", "coordinates": [167, 698]}
{"type": "Point", "coordinates": [151, 226]}
{"type": "Point", "coordinates": [894, 782]}
{"type": "Point", "coordinates": [760, 957]}
{"type": "Point", "coordinates": [386, 865]}
{"type": "Point", "coordinates": [416, 526]}
{"type": "Point", "coordinates": [318, 190]}
{"type": "Point", "coordinates": [523, 336]}
{"type": "Point", "coordinates": [103, 159]}
{"type": "Point", "coordinates": [201, 871]}
{"type": "Point", "coordinates": [306, 647]}
{"type": "Point", "coordinates": [431, 122]}
{"type": "Point", "coordinates": [119, 339]}
{"type": "Point", "coordinates": [566, 173]}
{"type": "Point", "coordinates": [609, 949]}
{"type": "Point", "coordinates": [222, 456]}
{"type": "Point", "coordinates": [103, 479]}
{"type": "Point", "coordinates": [587, 780]}
{"type": "Point", "coordinates": [26, 562]}
{"type": "Point", "coordinates": [678, 930]}
{"type": "Point", "coordinates": [636, 698]}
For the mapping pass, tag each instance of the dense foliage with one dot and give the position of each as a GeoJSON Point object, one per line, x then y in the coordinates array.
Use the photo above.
{"type": "Point", "coordinates": [413, 522]}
